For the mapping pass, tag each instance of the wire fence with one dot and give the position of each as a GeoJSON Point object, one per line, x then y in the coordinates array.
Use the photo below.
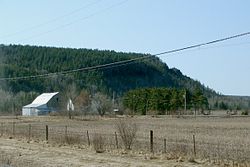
{"type": "Point", "coordinates": [151, 142]}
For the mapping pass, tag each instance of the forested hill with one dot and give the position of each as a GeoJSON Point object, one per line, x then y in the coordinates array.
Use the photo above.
{"type": "Point", "coordinates": [17, 60]}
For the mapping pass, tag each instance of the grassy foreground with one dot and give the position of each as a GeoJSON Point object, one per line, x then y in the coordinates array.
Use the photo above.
{"type": "Point", "coordinates": [216, 140]}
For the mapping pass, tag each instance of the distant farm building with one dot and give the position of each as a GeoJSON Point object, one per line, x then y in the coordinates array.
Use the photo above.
{"type": "Point", "coordinates": [42, 105]}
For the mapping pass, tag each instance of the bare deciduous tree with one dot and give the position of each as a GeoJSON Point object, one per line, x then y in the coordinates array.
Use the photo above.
{"type": "Point", "coordinates": [82, 102]}
{"type": "Point", "coordinates": [101, 103]}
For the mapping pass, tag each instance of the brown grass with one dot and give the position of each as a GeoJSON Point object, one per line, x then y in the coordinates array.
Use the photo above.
{"type": "Point", "coordinates": [5, 159]}
{"type": "Point", "coordinates": [219, 140]}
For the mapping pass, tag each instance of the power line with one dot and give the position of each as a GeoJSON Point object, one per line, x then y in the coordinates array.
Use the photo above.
{"type": "Point", "coordinates": [228, 45]}
{"type": "Point", "coordinates": [204, 44]}
{"type": "Point", "coordinates": [75, 21]}
{"type": "Point", "coordinates": [124, 62]}
{"type": "Point", "coordinates": [50, 21]}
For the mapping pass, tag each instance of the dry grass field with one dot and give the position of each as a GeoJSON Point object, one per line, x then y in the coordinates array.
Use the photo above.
{"type": "Point", "coordinates": [222, 141]}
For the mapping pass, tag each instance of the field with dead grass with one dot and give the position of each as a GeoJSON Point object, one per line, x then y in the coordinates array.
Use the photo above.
{"type": "Point", "coordinates": [212, 140]}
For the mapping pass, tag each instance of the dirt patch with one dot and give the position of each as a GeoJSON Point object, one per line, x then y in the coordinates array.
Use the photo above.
{"type": "Point", "coordinates": [21, 153]}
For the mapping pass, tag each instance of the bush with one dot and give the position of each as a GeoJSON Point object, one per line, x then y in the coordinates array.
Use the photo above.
{"type": "Point", "coordinates": [98, 142]}
{"type": "Point", "coordinates": [127, 130]}
{"type": "Point", "coordinates": [246, 112]}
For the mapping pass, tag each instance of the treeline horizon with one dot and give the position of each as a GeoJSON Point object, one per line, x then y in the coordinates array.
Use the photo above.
{"type": "Point", "coordinates": [18, 60]}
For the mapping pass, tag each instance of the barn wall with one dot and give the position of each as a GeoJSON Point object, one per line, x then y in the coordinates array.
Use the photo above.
{"type": "Point", "coordinates": [54, 103]}
{"type": "Point", "coordinates": [28, 111]}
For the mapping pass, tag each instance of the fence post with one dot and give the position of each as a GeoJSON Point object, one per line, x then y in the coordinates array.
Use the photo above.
{"type": "Point", "coordinates": [116, 140]}
{"type": "Point", "coordinates": [66, 132]}
{"type": "Point", "coordinates": [151, 141]}
{"type": "Point", "coordinates": [47, 133]}
{"type": "Point", "coordinates": [165, 146]}
{"type": "Point", "coordinates": [1, 129]}
{"type": "Point", "coordinates": [194, 145]}
{"type": "Point", "coordinates": [13, 129]}
{"type": "Point", "coordinates": [88, 138]}
{"type": "Point", "coordinates": [29, 132]}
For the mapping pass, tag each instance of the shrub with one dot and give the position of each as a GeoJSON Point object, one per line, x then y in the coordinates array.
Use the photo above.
{"type": "Point", "coordinates": [245, 112]}
{"type": "Point", "coordinates": [127, 130]}
{"type": "Point", "coordinates": [99, 143]}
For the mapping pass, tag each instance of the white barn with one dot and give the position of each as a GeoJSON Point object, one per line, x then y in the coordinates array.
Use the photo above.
{"type": "Point", "coordinates": [42, 105]}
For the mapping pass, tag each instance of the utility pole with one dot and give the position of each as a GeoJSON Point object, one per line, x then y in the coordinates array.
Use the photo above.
{"type": "Point", "coordinates": [185, 102]}
{"type": "Point", "coordinates": [147, 107]}
{"type": "Point", "coordinates": [113, 99]}
{"type": "Point", "coordinates": [133, 104]}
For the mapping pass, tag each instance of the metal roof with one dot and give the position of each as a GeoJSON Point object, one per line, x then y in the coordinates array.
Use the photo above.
{"type": "Point", "coordinates": [43, 98]}
{"type": "Point", "coordinates": [33, 105]}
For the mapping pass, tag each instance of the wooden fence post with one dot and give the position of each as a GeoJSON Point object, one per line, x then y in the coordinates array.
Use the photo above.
{"type": "Point", "coordinates": [165, 146]}
{"type": "Point", "coordinates": [66, 132]}
{"type": "Point", "coordinates": [29, 132]}
{"type": "Point", "coordinates": [13, 129]}
{"type": "Point", "coordinates": [151, 141]}
{"type": "Point", "coordinates": [1, 129]}
{"type": "Point", "coordinates": [47, 133]}
{"type": "Point", "coordinates": [116, 140]}
{"type": "Point", "coordinates": [194, 145]}
{"type": "Point", "coordinates": [88, 138]}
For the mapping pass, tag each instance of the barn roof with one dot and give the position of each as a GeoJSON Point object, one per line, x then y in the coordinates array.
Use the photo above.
{"type": "Point", "coordinates": [44, 98]}
{"type": "Point", "coordinates": [33, 105]}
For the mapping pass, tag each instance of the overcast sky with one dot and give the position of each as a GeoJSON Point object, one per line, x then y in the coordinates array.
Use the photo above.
{"type": "Point", "coordinates": [145, 26]}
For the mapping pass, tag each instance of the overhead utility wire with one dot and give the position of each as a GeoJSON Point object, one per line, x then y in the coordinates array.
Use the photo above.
{"type": "Point", "coordinates": [75, 21]}
{"type": "Point", "coordinates": [49, 21]}
{"type": "Point", "coordinates": [124, 62]}
{"type": "Point", "coordinates": [204, 44]}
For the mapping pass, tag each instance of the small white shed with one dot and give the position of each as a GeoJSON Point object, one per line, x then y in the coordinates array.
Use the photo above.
{"type": "Point", "coordinates": [42, 105]}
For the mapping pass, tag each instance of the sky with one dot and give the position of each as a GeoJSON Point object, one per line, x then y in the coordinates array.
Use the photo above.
{"type": "Point", "coordinates": [143, 26]}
